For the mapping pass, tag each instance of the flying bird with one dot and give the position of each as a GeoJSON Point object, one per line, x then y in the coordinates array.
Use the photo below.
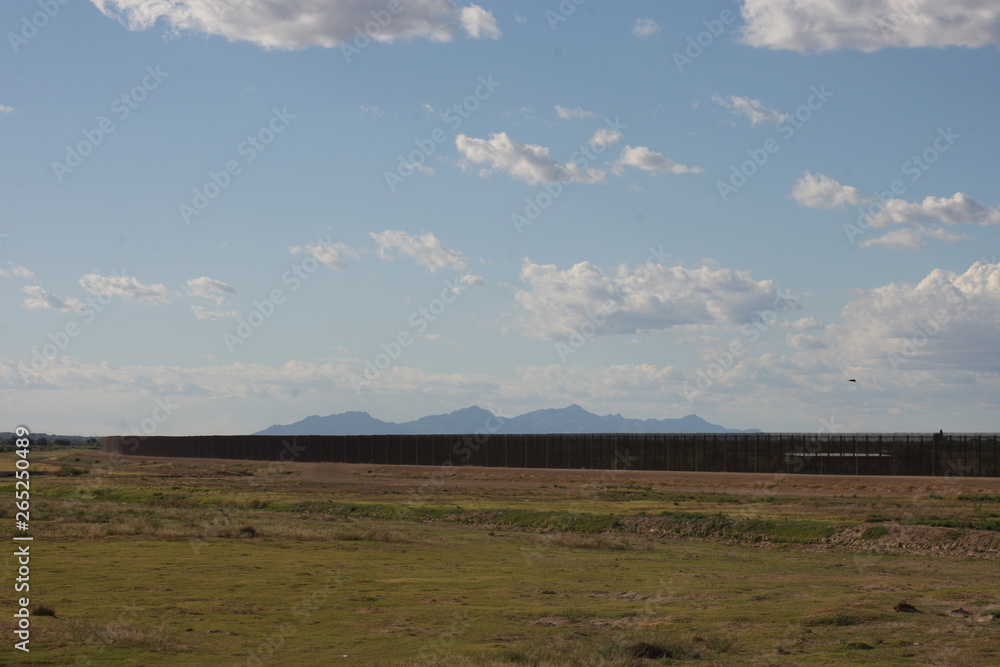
{"type": "Point", "coordinates": [852, 380]}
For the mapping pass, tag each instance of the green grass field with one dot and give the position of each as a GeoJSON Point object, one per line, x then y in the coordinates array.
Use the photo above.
{"type": "Point", "coordinates": [200, 563]}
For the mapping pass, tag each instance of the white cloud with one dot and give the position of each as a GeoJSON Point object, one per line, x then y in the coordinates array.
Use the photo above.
{"type": "Point", "coordinates": [753, 109]}
{"type": "Point", "coordinates": [299, 24]}
{"type": "Point", "coordinates": [954, 210]}
{"type": "Point", "coordinates": [805, 324]}
{"type": "Point", "coordinates": [519, 18]}
{"type": "Point", "coordinates": [821, 191]}
{"type": "Point", "coordinates": [42, 299]}
{"type": "Point", "coordinates": [477, 22]}
{"type": "Point", "coordinates": [126, 287]}
{"type": "Point", "coordinates": [422, 168]}
{"type": "Point", "coordinates": [6, 109]}
{"type": "Point", "coordinates": [946, 321]}
{"type": "Point", "coordinates": [645, 28]}
{"type": "Point", "coordinates": [524, 162]}
{"type": "Point", "coordinates": [643, 158]}
{"type": "Point", "coordinates": [205, 314]}
{"type": "Point", "coordinates": [209, 289]}
{"type": "Point", "coordinates": [17, 271]}
{"type": "Point", "coordinates": [912, 238]}
{"type": "Point", "coordinates": [472, 279]}
{"type": "Point", "coordinates": [331, 254]}
{"type": "Point", "coordinates": [643, 297]}
{"type": "Point", "coordinates": [568, 114]}
{"type": "Point", "coordinates": [605, 136]}
{"type": "Point", "coordinates": [830, 25]}
{"type": "Point", "coordinates": [425, 249]}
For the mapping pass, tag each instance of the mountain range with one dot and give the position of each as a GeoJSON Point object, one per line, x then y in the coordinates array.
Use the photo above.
{"type": "Point", "coordinates": [571, 419]}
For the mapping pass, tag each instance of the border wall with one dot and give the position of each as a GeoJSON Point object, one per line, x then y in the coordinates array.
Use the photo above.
{"type": "Point", "coordinates": [966, 454]}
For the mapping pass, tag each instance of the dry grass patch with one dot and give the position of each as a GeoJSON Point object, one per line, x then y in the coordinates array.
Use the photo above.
{"type": "Point", "coordinates": [116, 634]}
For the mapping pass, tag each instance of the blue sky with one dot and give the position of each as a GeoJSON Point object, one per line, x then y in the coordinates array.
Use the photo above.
{"type": "Point", "coordinates": [218, 216]}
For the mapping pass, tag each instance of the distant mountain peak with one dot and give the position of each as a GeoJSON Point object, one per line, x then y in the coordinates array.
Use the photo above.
{"type": "Point", "coordinates": [571, 419]}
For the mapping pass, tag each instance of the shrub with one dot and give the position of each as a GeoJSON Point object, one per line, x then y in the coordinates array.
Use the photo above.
{"type": "Point", "coordinates": [249, 531]}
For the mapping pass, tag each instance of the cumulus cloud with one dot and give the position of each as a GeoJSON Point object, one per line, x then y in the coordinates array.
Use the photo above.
{"type": "Point", "coordinates": [567, 114]}
{"type": "Point", "coordinates": [6, 109]}
{"type": "Point", "coordinates": [947, 321]}
{"type": "Point", "coordinates": [644, 297]}
{"type": "Point", "coordinates": [299, 24]}
{"type": "Point", "coordinates": [40, 298]}
{"type": "Point", "coordinates": [821, 191]}
{"type": "Point", "coordinates": [425, 249]}
{"type": "Point", "coordinates": [754, 110]}
{"type": "Point", "coordinates": [912, 238]}
{"type": "Point", "coordinates": [804, 324]}
{"type": "Point", "coordinates": [524, 162]}
{"type": "Point", "coordinates": [17, 271]}
{"type": "Point", "coordinates": [477, 22]}
{"type": "Point", "coordinates": [126, 287]}
{"type": "Point", "coordinates": [645, 28]}
{"type": "Point", "coordinates": [605, 136]}
{"type": "Point", "coordinates": [330, 254]}
{"type": "Point", "coordinates": [954, 210]}
{"type": "Point", "coordinates": [422, 168]}
{"type": "Point", "coordinates": [645, 159]}
{"type": "Point", "coordinates": [472, 279]}
{"type": "Point", "coordinates": [825, 25]}
{"type": "Point", "coordinates": [209, 289]}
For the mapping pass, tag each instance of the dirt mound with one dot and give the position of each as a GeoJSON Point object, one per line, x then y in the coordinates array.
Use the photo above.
{"type": "Point", "coordinates": [923, 540]}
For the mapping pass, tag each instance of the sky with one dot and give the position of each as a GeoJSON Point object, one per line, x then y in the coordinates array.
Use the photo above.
{"type": "Point", "coordinates": [219, 216]}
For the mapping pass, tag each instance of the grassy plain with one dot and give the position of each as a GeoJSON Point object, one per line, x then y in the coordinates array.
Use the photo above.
{"type": "Point", "coordinates": [188, 562]}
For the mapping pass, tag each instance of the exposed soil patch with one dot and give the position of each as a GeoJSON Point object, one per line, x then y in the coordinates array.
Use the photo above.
{"type": "Point", "coordinates": [360, 474]}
